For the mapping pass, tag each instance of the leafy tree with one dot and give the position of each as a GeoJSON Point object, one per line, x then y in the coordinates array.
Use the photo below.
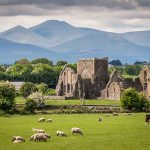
{"type": "Point", "coordinates": [38, 98]}
{"type": "Point", "coordinates": [44, 73]}
{"type": "Point", "coordinates": [61, 63]}
{"type": "Point", "coordinates": [7, 96]}
{"type": "Point", "coordinates": [27, 88]}
{"type": "Point", "coordinates": [30, 105]}
{"type": "Point", "coordinates": [50, 92]}
{"type": "Point", "coordinates": [132, 69]}
{"type": "Point", "coordinates": [22, 61]}
{"type": "Point", "coordinates": [116, 63]}
{"type": "Point", "coordinates": [140, 63]}
{"type": "Point", "coordinates": [42, 88]}
{"type": "Point", "coordinates": [131, 99]}
{"type": "Point", "coordinates": [42, 61]}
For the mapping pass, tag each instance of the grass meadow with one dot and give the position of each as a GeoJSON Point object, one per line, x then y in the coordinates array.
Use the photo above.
{"type": "Point", "coordinates": [21, 100]}
{"type": "Point", "coordinates": [114, 133]}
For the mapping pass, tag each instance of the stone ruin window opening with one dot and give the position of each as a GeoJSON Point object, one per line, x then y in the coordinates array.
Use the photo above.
{"type": "Point", "coordinates": [107, 93]}
{"type": "Point", "coordinates": [68, 88]}
{"type": "Point", "coordinates": [100, 85]}
{"type": "Point", "coordinates": [145, 86]}
{"type": "Point", "coordinates": [145, 76]}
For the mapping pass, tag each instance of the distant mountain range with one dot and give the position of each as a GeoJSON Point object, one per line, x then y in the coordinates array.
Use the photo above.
{"type": "Point", "coordinates": [58, 40]}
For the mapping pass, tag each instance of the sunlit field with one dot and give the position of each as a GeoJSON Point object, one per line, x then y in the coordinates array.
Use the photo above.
{"type": "Point", "coordinates": [114, 133]}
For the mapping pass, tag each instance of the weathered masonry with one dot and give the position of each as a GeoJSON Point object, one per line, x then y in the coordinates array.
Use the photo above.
{"type": "Point", "coordinates": [92, 80]}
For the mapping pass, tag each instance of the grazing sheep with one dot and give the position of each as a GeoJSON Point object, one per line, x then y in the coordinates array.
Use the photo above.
{"type": "Point", "coordinates": [61, 133]}
{"type": "Point", "coordinates": [46, 135]}
{"type": "Point", "coordinates": [41, 120]}
{"type": "Point", "coordinates": [38, 130]}
{"type": "Point", "coordinates": [49, 120]}
{"type": "Point", "coordinates": [76, 131]}
{"type": "Point", "coordinates": [38, 137]}
{"type": "Point", "coordinates": [100, 119]}
{"type": "Point", "coordinates": [17, 141]}
{"type": "Point", "coordinates": [115, 114]}
{"type": "Point", "coordinates": [107, 115]}
{"type": "Point", "coordinates": [19, 138]}
{"type": "Point", "coordinates": [127, 114]}
{"type": "Point", "coordinates": [147, 119]}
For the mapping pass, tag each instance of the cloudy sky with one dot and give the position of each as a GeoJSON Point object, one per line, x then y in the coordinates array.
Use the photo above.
{"type": "Point", "coordinates": [108, 15]}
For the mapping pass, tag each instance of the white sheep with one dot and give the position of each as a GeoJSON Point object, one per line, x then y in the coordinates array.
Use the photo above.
{"type": "Point", "coordinates": [61, 133]}
{"type": "Point", "coordinates": [38, 130]}
{"type": "Point", "coordinates": [76, 131]}
{"type": "Point", "coordinates": [107, 115]}
{"type": "Point", "coordinates": [49, 120]}
{"type": "Point", "coordinates": [18, 138]}
{"type": "Point", "coordinates": [38, 137]}
{"type": "Point", "coordinates": [41, 119]}
{"type": "Point", "coordinates": [115, 114]}
{"type": "Point", "coordinates": [17, 141]}
{"type": "Point", "coordinates": [46, 135]}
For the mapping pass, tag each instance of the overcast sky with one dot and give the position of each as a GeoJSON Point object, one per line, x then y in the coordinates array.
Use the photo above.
{"type": "Point", "coordinates": [108, 15]}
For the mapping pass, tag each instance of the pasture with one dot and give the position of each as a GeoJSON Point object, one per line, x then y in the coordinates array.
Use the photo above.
{"type": "Point", "coordinates": [21, 100]}
{"type": "Point", "coordinates": [114, 133]}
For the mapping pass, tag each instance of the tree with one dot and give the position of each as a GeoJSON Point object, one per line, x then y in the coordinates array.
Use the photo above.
{"type": "Point", "coordinates": [30, 105]}
{"type": "Point", "coordinates": [38, 98]}
{"type": "Point", "coordinates": [132, 69]}
{"type": "Point", "coordinates": [61, 63]}
{"type": "Point", "coordinates": [116, 63]}
{"type": "Point", "coordinates": [131, 99]}
{"type": "Point", "coordinates": [42, 88]}
{"type": "Point", "coordinates": [7, 96]}
{"type": "Point", "coordinates": [42, 61]}
{"type": "Point", "coordinates": [22, 61]}
{"type": "Point", "coordinates": [27, 88]}
{"type": "Point", "coordinates": [50, 92]}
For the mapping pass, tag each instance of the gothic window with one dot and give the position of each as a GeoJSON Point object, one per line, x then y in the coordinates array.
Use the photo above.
{"type": "Point", "coordinates": [145, 76]}
{"type": "Point", "coordinates": [100, 85]}
{"type": "Point", "coordinates": [145, 86]}
{"type": "Point", "coordinates": [68, 88]}
{"type": "Point", "coordinates": [64, 88]}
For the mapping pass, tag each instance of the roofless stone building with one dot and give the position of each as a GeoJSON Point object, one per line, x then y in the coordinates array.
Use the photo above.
{"type": "Point", "coordinates": [92, 80]}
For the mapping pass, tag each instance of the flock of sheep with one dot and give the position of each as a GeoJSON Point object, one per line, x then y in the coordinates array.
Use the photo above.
{"type": "Point", "coordinates": [41, 136]}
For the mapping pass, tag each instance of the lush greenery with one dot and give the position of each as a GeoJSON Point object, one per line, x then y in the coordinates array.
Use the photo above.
{"type": "Point", "coordinates": [21, 100]}
{"type": "Point", "coordinates": [27, 88]}
{"type": "Point", "coordinates": [7, 96]}
{"type": "Point", "coordinates": [30, 105]}
{"type": "Point", "coordinates": [37, 71]}
{"type": "Point", "coordinates": [128, 70]}
{"type": "Point", "coordinates": [114, 133]}
{"type": "Point", "coordinates": [132, 100]}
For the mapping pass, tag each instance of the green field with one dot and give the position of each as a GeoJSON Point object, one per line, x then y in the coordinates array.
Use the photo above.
{"type": "Point", "coordinates": [21, 100]}
{"type": "Point", "coordinates": [114, 133]}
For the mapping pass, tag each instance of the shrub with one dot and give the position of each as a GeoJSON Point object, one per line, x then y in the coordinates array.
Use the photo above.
{"type": "Point", "coordinates": [42, 88]}
{"type": "Point", "coordinates": [30, 105]}
{"type": "Point", "coordinates": [7, 96]}
{"type": "Point", "coordinates": [50, 92]}
{"type": "Point", "coordinates": [38, 98]}
{"type": "Point", "coordinates": [132, 100]}
{"type": "Point", "coordinates": [27, 88]}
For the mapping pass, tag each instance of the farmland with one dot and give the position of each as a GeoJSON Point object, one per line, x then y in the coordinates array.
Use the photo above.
{"type": "Point", "coordinates": [114, 133]}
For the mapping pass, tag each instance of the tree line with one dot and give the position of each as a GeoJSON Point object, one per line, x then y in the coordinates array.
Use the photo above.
{"type": "Point", "coordinates": [37, 71]}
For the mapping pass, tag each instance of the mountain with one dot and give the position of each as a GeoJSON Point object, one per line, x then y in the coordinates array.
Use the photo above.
{"type": "Point", "coordinates": [59, 40]}
{"type": "Point", "coordinates": [20, 34]}
{"type": "Point", "coordinates": [138, 37]}
{"type": "Point", "coordinates": [11, 51]}
{"type": "Point", "coordinates": [111, 45]}
{"type": "Point", "coordinates": [58, 32]}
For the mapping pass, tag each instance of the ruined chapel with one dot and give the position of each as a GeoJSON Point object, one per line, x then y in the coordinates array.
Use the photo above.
{"type": "Point", "coordinates": [92, 80]}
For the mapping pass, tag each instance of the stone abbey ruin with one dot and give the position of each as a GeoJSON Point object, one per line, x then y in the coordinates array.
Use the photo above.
{"type": "Point", "coordinates": [92, 80]}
